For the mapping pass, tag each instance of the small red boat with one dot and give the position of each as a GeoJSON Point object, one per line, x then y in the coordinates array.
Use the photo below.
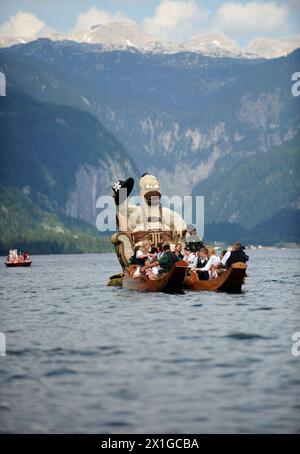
{"type": "Point", "coordinates": [15, 260]}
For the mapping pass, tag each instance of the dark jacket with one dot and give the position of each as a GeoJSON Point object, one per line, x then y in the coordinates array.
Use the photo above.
{"type": "Point", "coordinates": [201, 264]}
{"type": "Point", "coordinates": [135, 261]}
{"type": "Point", "coordinates": [194, 243]}
{"type": "Point", "coordinates": [166, 261]}
{"type": "Point", "coordinates": [237, 256]}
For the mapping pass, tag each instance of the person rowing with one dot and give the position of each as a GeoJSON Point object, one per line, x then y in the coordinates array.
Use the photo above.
{"type": "Point", "coordinates": [178, 251]}
{"type": "Point", "coordinates": [165, 263]}
{"type": "Point", "coordinates": [151, 273]}
{"type": "Point", "coordinates": [138, 258]}
{"type": "Point", "coordinates": [200, 263]}
{"type": "Point", "coordinates": [234, 255]}
{"type": "Point", "coordinates": [189, 256]}
{"type": "Point", "coordinates": [207, 262]}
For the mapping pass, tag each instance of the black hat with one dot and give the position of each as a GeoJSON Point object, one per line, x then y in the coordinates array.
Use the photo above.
{"type": "Point", "coordinates": [120, 184]}
{"type": "Point", "coordinates": [187, 248]}
{"type": "Point", "coordinates": [238, 246]}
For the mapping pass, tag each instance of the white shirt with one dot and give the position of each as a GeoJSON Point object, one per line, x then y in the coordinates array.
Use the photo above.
{"type": "Point", "coordinates": [139, 254]}
{"type": "Point", "coordinates": [196, 262]}
{"type": "Point", "coordinates": [189, 259]}
{"type": "Point", "coordinates": [225, 258]}
{"type": "Point", "coordinates": [137, 272]}
{"type": "Point", "coordinates": [214, 260]}
{"type": "Point", "coordinates": [154, 270]}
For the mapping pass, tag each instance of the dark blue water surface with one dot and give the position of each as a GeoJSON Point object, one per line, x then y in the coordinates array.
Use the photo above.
{"type": "Point", "coordinates": [82, 357]}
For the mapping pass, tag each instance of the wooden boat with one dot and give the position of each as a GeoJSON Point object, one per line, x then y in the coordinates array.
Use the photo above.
{"type": "Point", "coordinates": [171, 282]}
{"type": "Point", "coordinates": [17, 264]}
{"type": "Point", "coordinates": [15, 260]}
{"type": "Point", "coordinates": [230, 281]}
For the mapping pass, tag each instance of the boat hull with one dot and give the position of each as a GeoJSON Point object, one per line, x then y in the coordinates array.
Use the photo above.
{"type": "Point", "coordinates": [171, 282]}
{"type": "Point", "coordinates": [18, 264]}
{"type": "Point", "coordinates": [230, 281]}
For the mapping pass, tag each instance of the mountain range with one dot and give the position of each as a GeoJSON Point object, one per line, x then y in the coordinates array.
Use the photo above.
{"type": "Point", "coordinates": [24, 225]}
{"type": "Point", "coordinates": [77, 116]}
{"type": "Point", "coordinates": [256, 188]}
{"type": "Point", "coordinates": [62, 157]}
{"type": "Point", "coordinates": [129, 36]}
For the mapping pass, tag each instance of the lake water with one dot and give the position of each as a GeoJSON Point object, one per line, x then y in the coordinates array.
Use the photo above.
{"type": "Point", "coordinates": [85, 358]}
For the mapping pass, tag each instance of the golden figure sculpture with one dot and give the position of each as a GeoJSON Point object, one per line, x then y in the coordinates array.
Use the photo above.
{"type": "Point", "coordinates": [146, 224]}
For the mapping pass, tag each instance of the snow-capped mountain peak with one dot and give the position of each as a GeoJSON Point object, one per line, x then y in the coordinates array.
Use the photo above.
{"type": "Point", "coordinates": [7, 41]}
{"type": "Point", "coordinates": [213, 44]}
{"type": "Point", "coordinates": [128, 35]}
{"type": "Point", "coordinates": [271, 47]}
{"type": "Point", "coordinates": [123, 35]}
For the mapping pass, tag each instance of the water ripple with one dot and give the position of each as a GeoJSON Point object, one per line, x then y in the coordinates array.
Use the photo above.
{"type": "Point", "coordinates": [85, 358]}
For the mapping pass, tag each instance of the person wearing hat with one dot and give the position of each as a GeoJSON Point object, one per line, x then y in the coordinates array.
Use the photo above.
{"type": "Point", "coordinates": [192, 240]}
{"type": "Point", "coordinates": [234, 255]}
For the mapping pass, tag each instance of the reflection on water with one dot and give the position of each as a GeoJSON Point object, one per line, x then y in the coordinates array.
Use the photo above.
{"type": "Point", "coordinates": [83, 357]}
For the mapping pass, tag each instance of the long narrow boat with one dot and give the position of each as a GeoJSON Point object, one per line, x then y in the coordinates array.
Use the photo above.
{"type": "Point", "coordinates": [230, 281]}
{"type": "Point", "coordinates": [171, 282]}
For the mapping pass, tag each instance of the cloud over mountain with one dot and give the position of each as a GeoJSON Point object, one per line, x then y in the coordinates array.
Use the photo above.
{"type": "Point", "coordinates": [22, 24]}
{"type": "Point", "coordinates": [95, 16]}
{"type": "Point", "coordinates": [175, 20]}
{"type": "Point", "coordinates": [175, 25]}
{"type": "Point", "coordinates": [251, 17]}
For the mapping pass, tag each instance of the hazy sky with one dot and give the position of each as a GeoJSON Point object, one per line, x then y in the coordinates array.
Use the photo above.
{"type": "Point", "coordinates": [177, 20]}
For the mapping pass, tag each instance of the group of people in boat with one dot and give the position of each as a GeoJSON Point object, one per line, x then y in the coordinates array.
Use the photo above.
{"type": "Point", "coordinates": [14, 257]}
{"type": "Point", "coordinates": [202, 259]}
